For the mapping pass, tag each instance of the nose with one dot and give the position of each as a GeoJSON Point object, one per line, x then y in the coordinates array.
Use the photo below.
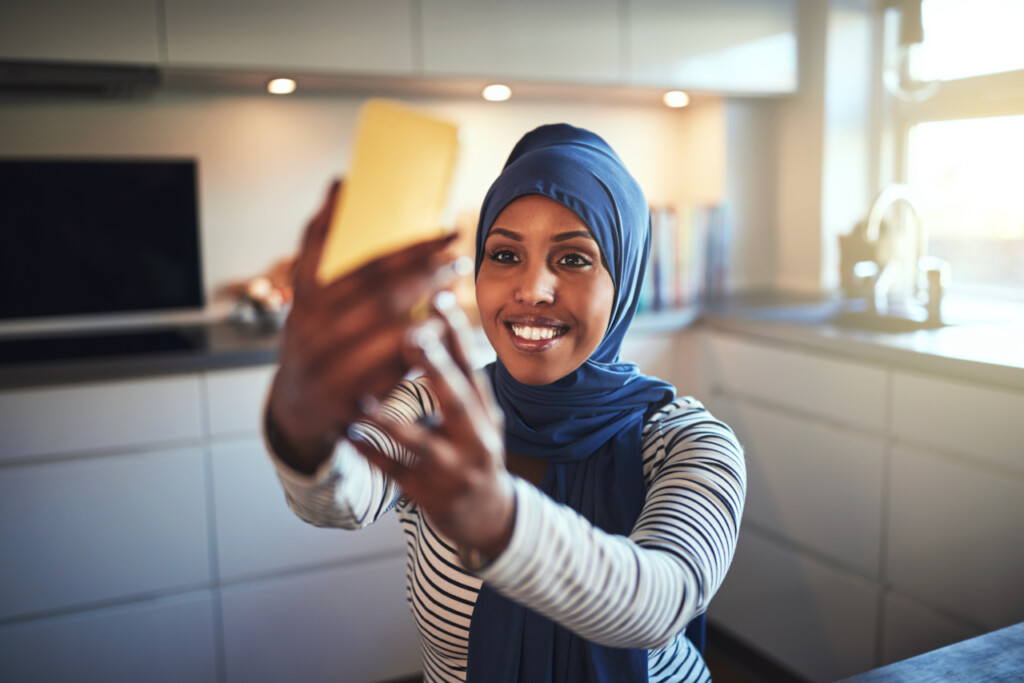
{"type": "Point", "coordinates": [536, 286]}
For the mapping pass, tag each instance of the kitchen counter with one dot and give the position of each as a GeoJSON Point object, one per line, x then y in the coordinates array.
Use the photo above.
{"type": "Point", "coordinates": [973, 350]}
{"type": "Point", "coordinates": [121, 355]}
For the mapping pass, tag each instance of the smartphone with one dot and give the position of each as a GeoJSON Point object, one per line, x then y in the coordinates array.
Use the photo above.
{"type": "Point", "coordinates": [396, 186]}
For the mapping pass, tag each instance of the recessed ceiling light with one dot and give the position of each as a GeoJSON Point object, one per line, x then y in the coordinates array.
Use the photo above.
{"type": "Point", "coordinates": [497, 92]}
{"type": "Point", "coordinates": [675, 99]}
{"type": "Point", "coordinates": [281, 86]}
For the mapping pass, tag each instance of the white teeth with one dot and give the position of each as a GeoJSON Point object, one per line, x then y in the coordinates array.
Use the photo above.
{"type": "Point", "coordinates": [533, 333]}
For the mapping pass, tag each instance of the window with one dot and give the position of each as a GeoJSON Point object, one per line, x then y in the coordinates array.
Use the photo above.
{"type": "Point", "coordinates": [962, 148]}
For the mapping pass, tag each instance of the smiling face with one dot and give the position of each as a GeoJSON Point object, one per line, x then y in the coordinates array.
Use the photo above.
{"type": "Point", "coordinates": [544, 293]}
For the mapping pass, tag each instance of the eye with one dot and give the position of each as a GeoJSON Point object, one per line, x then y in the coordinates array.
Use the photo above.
{"type": "Point", "coordinates": [503, 256]}
{"type": "Point", "coordinates": [575, 260]}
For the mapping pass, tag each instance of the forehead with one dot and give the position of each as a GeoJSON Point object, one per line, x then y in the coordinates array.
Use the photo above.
{"type": "Point", "coordinates": [537, 213]}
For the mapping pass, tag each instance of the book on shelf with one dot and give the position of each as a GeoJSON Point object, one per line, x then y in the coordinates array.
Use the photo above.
{"type": "Point", "coordinates": [689, 259]}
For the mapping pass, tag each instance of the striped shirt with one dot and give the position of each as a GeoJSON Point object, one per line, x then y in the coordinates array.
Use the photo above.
{"type": "Point", "coordinates": [633, 592]}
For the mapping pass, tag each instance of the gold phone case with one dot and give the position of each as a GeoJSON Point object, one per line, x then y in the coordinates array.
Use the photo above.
{"type": "Point", "coordinates": [396, 187]}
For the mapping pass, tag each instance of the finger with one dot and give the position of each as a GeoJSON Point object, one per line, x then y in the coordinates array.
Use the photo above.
{"type": "Point", "coordinates": [415, 265]}
{"type": "Point", "coordinates": [459, 336]}
{"type": "Point", "coordinates": [390, 467]}
{"type": "Point", "coordinates": [313, 240]}
{"type": "Point", "coordinates": [465, 419]}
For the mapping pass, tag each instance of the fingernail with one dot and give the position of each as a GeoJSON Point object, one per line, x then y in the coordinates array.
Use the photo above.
{"type": "Point", "coordinates": [425, 337]}
{"type": "Point", "coordinates": [368, 404]}
{"type": "Point", "coordinates": [445, 300]}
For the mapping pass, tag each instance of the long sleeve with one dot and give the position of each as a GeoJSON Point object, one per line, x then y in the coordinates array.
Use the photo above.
{"type": "Point", "coordinates": [347, 492]}
{"type": "Point", "coordinates": [639, 591]}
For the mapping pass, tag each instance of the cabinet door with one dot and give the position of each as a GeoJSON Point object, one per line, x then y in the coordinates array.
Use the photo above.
{"type": "Point", "coordinates": [568, 40]}
{"type": "Point", "coordinates": [841, 391]}
{"type": "Point", "coordinates": [167, 640]}
{"type": "Point", "coordinates": [350, 624]}
{"type": "Point", "coordinates": [102, 416]}
{"type": "Point", "coordinates": [811, 617]}
{"type": "Point", "coordinates": [956, 417]}
{"type": "Point", "coordinates": [235, 399]}
{"type": "Point", "coordinates": [82, 532]}
{"type": "Point", "coordinates": [355, 36]}
{"type": "Point", "coordinates": [116, 31]}
{"type": "Point", "coordinates": [955, 539]}
{"type": "Point", "coordinates": [910, 629]}
{"type": "Point", "coordinates": [815, 486]}
{"type": "Point", "coordinates": [731, 46]}
{"type": "Point", "coordinates": [258, 534]}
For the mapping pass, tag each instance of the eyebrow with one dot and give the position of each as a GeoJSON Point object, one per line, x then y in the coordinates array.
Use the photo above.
{"type": "Point", "coordinates": [560, 237]}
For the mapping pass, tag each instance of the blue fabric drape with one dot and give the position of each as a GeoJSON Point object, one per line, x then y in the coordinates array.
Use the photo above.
{"type": "Point", "coordinates": [588, 424]}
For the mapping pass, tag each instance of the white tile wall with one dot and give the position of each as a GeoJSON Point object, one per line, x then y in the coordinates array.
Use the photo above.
{"type": "Point", "coordinates": [982, 423]}
{"type": "Point", "coordinates": [818, 486]}
{"type": "Point", "coordinates": [160, 641]}
{"type": "Point", "coordinates": [71, 419]}
{"type": "Point", "coordinates": [812, 618]}
{"type": "Point", "coordinates": [956, 538]}
{"type": "Point", "coordinates": [910, 628]}
{"type": "Point", "coordinates": [78, 532]}
{"type": "Point", "coordinates": [335, 625]}
{"type": "Point", "coordinates": [257, 533]}
{"type": "Point", "coordinates": [839, 390]}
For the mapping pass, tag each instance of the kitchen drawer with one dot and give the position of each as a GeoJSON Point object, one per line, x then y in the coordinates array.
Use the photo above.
{"type": "Point", "coordinates": [235, 399]}
{"type": "Point", "coordinates": [163, 641]}
{"type": "Point", "coordinates": [955, 538]}
{"type": "Point", "coordinates": [355, 36]}
{"type": "Point", "coordinates": [817, 486]}
{"type": "Point", "coordinates": [841, 391]}
{"type": "Point", "coordinates": [350, 623]}
{"type": "Point", "coordinates": [910, 629]}
{"type": "Point", "coordinates": [654, 354]}
{"type": "Point", "coordinates": [93, 417]}
{"type": "Point", "coordinates": [257, 532]}
{"type": "Point", "coordinates": [814, 619]}
{"type": "Point", "coordinates": [80, 532]}
{"type": "Point", "coordinates": [949, 416]}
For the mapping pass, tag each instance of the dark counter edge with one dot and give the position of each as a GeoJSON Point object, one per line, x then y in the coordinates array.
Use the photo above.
{"type": "Point", "coordinates": [234, 346]}
{"type": "Point", "coordinates": [228, 346]}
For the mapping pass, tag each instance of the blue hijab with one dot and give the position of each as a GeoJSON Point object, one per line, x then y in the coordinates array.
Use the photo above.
{"type": "Point", "coordinates": [588, 424]}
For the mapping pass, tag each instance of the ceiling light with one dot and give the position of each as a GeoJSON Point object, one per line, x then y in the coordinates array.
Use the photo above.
{"type": "Point", "coordinates": [281, 86]}
{"type": "Point", "coordinates": [675, 99]}
{"type": "Point", "coordinates": [497, 92]}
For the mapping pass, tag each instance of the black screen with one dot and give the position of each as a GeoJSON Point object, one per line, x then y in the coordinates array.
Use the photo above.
{"type": "Point", "coordinates": [98, 236]}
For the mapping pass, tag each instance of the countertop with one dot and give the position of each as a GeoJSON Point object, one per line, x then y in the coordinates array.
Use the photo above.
{"type": "Point", "coordinates": [973, 349]}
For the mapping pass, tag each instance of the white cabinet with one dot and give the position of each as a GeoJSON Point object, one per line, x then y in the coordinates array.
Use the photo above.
{"type": "Point", "coordinates": [955, 537]}
{"type": "Point", "coordinates": [730, 46]}
{"type": "Point", "coordinates": [252, 517]}
{"type": "Point", "coordinates": [168, 640]}
{"type": "Point", "coordinates": [97, 417]}
{"type": "Point", "coordinates": [568, 40]}
{"type": "Point", "coordinates": [908, 487]}
{"type": "Point", "coordinates": [811, 617]}
{"type": "Point", "coordinates": [345, 624]}
{"type": "Point", "coordinates": [355, 36]}
{"type": "Point", "coordinates": [144, 535]}
{"type": "Point", "coordinates": [114, 31]}
{"type": "Point", "coordinates": [85, 531]}
{"type": "Point", "coordinates": [981, 423]}
{"type": "Point", "coordinates": [811, 484]}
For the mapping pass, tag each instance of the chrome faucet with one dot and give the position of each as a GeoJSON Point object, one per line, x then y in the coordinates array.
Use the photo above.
{"type": "Point", "coordinates": [912, 262]}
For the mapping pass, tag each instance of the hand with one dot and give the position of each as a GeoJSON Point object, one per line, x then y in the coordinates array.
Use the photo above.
{"type": "Point", "coordinates": [458, 477]}
{"type": "Point", "coordinates": [342, 342]}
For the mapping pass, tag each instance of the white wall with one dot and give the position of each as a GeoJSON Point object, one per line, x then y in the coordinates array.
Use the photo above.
{"type": "Point", "coordinates": [265, 161]}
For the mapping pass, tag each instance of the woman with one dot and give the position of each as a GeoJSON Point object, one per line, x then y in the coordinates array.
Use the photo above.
{"type": "Point", "coordinates": [566, 527]}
